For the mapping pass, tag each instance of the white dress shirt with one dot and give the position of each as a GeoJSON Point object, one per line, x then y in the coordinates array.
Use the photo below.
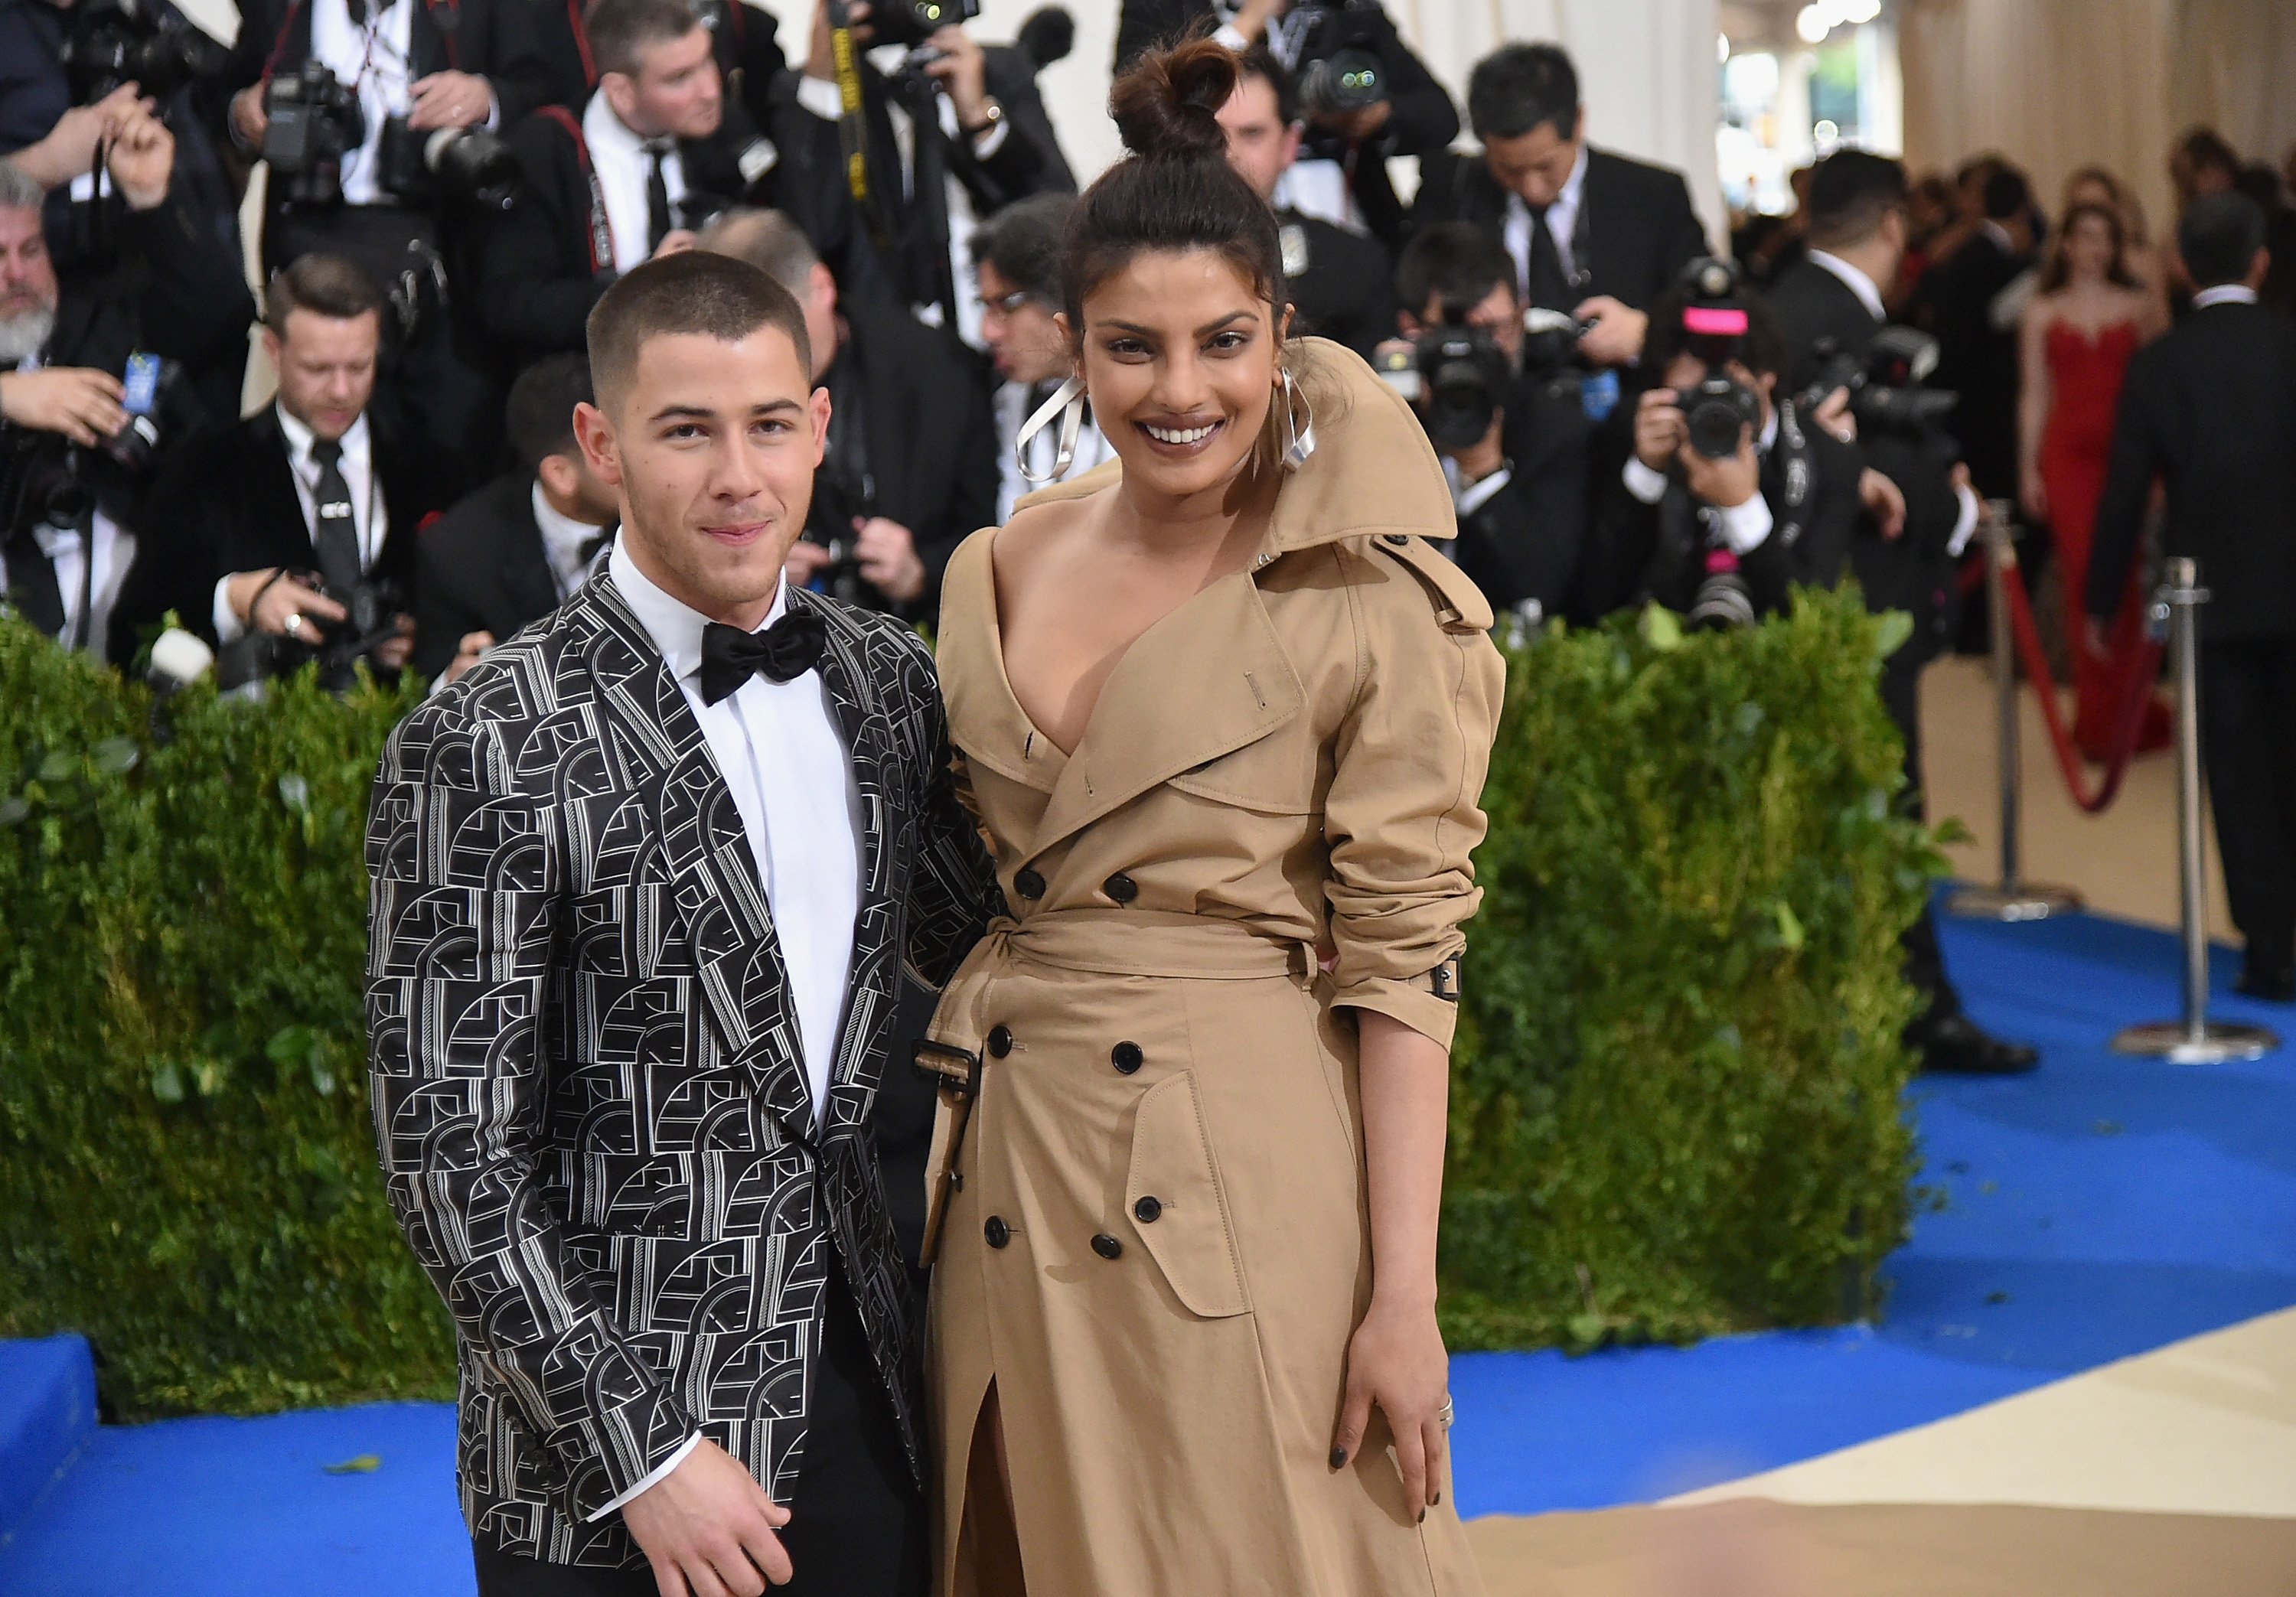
{"type": "Point", "coordinates": [564, 539]}
{"type": "Point", "coordinates": [1011, 404]}
{"type": "Point", "coordinates": [369, 518]}
{"type": "Point", "coordinates": [378, 60]}
{"type": "Point", "coordinates": [1561, 218]}
{"type": "Point", "coordinates": [2225, 293]}
{"type": "Point", "coordinates": [67, 553]}
{"type": "Point", "coordinates": [619, 158]}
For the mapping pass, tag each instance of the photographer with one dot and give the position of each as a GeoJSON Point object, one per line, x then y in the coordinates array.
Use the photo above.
{"type": "Point", "coordinates": [1731, 496]}
{"type": "Point", "coordinates": [2209, 412]}
{"type": "Point", "coordinates": [294, 528]}
{"type": "Point", "coordinates": [654, 152]}
{"type": "Point", "coordinates": [743, 37]}
{"type": "Point", "coordinates": [952, 133]}
{"type": "Point", "coordinates": [380, 122]}
{"type": "Point", "coordinates": [1365, 95]}
{"type": "Point", "coordinates": [1340, 281]}
{"type": "Point", "coordinates": [95, 380]}
{"type": "Point", "coordinates": [1017, 265]}
{"type": "Point", "coordinates": [910, 470]}
{"type": "Point", "coordinates": [519, 547]}
{"type": "Point", "coordinates": [1592, 233]}
{"type": "Point", "coordinates": [1503, 411]}
{"type": "Point", "coordinates": [1831, 308]}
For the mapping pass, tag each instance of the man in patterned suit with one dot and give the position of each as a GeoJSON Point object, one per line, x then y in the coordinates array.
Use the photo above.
{"type": "Point", "coordinates": [643, 881]}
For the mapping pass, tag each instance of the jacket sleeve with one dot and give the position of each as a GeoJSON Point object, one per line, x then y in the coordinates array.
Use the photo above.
{"type": "Point", "coordinates": [1141, 25]}
{"type": "Point", "coordinates": [442, 615]}
{"type": "Point", "coordinates": [515, 66]}
{"type": "Point", "coordinates": [464, 922]}
{"type": "Point", "coordinates": [953, 890]}
{"type": "Point", "coordinates": [526, 297]}
{"type": "Point", "coordinates": [1681, 236]}
{"type": "Point", "coordinates": [1424, 119]}
{"type": "Point", "coordinates": [2127, 489]}
{"type": "Point", "coordinates": [1404, 813]}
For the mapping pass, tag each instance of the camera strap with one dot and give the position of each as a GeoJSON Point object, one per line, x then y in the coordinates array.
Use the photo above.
{"type": "Point", "coordinates": [853, 125]}
{"type": "Point", "coordinates": [601, 230]}
{"type": "Point", "coordinates": [1793, 453]}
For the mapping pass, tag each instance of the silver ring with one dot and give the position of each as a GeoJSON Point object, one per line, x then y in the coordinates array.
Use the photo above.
{"type": "Point", "coordinates": [295, 624]}
{"type": "Point", "coordinates": [1443, 1416]}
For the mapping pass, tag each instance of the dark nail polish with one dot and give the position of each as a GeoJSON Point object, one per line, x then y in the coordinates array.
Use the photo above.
{"type": "Point", "coordinates": [1422, 1516]}
{"type": "Point", "coordinates": [1435, 1501]}
{"type": "Point", "coordinates": [1339, 1458]}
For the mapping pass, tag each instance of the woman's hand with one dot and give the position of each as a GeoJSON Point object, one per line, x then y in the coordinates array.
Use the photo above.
{"type": "Point", "coordinates": [1396, 1361]}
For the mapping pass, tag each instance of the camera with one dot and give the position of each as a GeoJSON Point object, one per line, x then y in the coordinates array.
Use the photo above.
{"type": "Point", "coordinates": [1550, 342]}
{"type": "Point", "coordinates": [468, 166]}
{"type": "Point", "coordinates": [312, 122]}
{"type": "Point", "coordinates": [1888, 390]}
{"type": "Point", "coordinates": [1724, 600]}
{"type": "Point", "coordinates": [1340, 70]}
{"type": "Point", "coordinates": [1457, 375]}
{"type": "Point", "coordinates": [1716, 413]}
{"type": "Point", "coordinates": [911, 22]}
{"type": "Point", "coordinates": [374, 610]}
{"type": "Point", "coordinates": [114, 42]}
{"type": "Point", "coordinates": [63, 482]}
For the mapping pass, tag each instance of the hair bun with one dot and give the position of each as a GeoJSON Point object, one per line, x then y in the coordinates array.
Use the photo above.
{"type": "Point", "coordinates": [1166, 104]}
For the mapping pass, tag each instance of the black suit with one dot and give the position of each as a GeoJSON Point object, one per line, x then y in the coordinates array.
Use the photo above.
{"type": "Point", "coordinates": [904, 258]}
{"type": "Point", "coordinates": [228, 503]}
{"type": "Point", "coordinates": [2209, 410]}
{"type": "Point", "coordinates": [1526, 541]}
{"type": "Point", "coordinates": [480, 568]}
{"type": "Point", "coordinates": [1344, 289]}
{"type": "Point", "coordinates": [541, 268]}
{"type": "Point", "coordinates": [1977, 358]}
{"type": "Point", "coordinates": [1634, 230]}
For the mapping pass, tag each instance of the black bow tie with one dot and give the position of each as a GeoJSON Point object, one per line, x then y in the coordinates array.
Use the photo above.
{"type": "Point", "coordinates": [730, 656]}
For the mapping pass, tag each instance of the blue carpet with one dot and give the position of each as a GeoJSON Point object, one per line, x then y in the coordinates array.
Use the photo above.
{"type": "Point", "coordinates": [47, 1416]}
{"type": "Point", "coordinates": [2097, 1208]}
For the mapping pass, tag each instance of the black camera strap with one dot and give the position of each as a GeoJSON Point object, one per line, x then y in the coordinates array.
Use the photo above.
{"type": "Point", "coordinates": [853, 124]}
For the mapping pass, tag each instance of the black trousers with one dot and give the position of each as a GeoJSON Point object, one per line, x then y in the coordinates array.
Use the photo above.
{"type": "Point", "coordinates": [2248, 748]}
{"type": "Point", "coordinates": [1901, 678]}
{"type": "Point", "coordinates": [857, 1521]}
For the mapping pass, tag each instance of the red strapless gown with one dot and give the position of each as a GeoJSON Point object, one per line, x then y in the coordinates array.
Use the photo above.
{"type": "Point", "coordinates": [2085, 377]}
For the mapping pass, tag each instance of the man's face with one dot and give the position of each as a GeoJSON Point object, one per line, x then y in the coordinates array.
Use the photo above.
{"type": "Point", "coordinates": [1260, 144]}
{"type": "Point", "coordinates": [28, 277]}
{"type": "Point", "coordinates": [570, 478]}
{"type": "Point", "coordinates": [711, 447]}
{"type": "Point", "coordinates": [1022, 335]}
{"type": "Point", "coordinates": [326, 368]}
{"type": "Point", "coordinates": [1496, 313]}
{"type": "Point", "coordinates": [1537, 164]}
{"type": "Point", "coordinates": [676, 93]}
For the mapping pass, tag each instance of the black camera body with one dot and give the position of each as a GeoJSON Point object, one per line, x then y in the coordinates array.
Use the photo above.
{"type": "Point", "coordinates": [61, 482]}
{"type": "Point", "coordinates": [1339, 71]}
{"type": "Point", "coordinates": [463, 166]}
{"type": "Point", "coordinates": [1457, 376]}
{"type": "Point", "coordinates": [373, 608]}
{"type": "Point", "coordinates": [114, 42]}
{"type": "Point", "coordinates": [1550, 342]}
{"type": "Point", "coordinates": [912, 21]}
{"type": "Point", "coordinates": [312, 122]}
{"type": "Point", "coordinates": [1716, 413]}
{"type": "Point", "coordinates": [1888, 389]}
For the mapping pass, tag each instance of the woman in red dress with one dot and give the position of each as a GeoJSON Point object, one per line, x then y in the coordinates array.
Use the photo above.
{"type": "Point", "coordinates": [2089, 317]}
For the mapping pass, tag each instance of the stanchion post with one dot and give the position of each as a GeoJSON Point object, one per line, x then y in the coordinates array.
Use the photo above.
{"type": "Point", "coordinates": [2194, 1039]}
{"type": "Point", "coordinates": [2015, 898]}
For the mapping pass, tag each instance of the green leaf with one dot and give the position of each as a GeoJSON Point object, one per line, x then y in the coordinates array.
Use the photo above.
{"type": "Point", "coordinates": [12, 810]}
{"type": "Point", "coordinates": [1661, 628]}
{"type": "Point", "coordinates": [1790, 929]}
{"type": "Point", "coordinates": [1893, 628]}
{"type": "Point", "coordinates": [293, 1046]}
{"type": "Point", "coordinates": [1950, 832]}
{"type": "Point", "coordinates": [323, 1080]}
{"type": "Point", "coordinates": [295, 793]}
{"type": "Point", "coordinates": [365, 1464]}
{"type": "Point", "coordinates": [115, 756]}
{"type": "Point", "coordinates": [168, 1083]}
{"type": "Point", "coordinates": [1587, 1331]}
{"type": "Point", "coordinates": [57, 767]}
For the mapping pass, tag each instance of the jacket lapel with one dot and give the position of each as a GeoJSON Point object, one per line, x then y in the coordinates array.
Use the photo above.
{"type": "Point", "coordinates": [716, 890]}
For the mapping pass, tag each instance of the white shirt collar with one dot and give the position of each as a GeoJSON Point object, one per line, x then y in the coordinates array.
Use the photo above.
{"type": "Point", "coordinates": [607, 134]}
{"type": "Point", "coordinates": [675, 627]}
{"type": "Point", "coordinates": [300, 439]}
{"type": "Point", "coordinates": [562, 537]}
{"type": "Point", "coordinates": [1575, 185]}
{"type": "Point", "coordinates": [1859, 283]}
{"type": "Point", "coordinates": [2225, 293]}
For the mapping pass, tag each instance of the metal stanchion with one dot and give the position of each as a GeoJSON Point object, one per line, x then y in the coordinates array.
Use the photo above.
{"type": "Point", "coordinates": [2015, 898]}
{"type": "Point", "coordinates": [2195, 1040]}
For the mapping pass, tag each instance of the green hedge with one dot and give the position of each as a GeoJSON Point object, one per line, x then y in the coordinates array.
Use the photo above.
{"type": "Point", "coordinates": [1676, 1109]}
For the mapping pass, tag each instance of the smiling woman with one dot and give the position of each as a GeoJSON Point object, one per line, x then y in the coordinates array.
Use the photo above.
{"type": "Point", "coordinates": [1225, 715]}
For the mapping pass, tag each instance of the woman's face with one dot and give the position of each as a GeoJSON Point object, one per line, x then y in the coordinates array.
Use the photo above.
{"type": "Point", "coordinates": [2088, 248]}
{"type": "Point", "coordinates": [2089, 190]}
{"type": "Point", "coordinates": [1179, 351]}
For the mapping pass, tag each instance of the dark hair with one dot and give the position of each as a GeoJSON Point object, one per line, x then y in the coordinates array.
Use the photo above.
{"type": "Point", "coordinates": [1456, 263]}
{"type": "Point", "coordinates": [325, 285]}
{"type": "Point", "coordinates": [2058, 268]}
{"type": "Point", "coordinates": [1518, 88]}
{"type": "Point", "coordinates": [1850, 192]}
{"type": "Point", "coordinates": [2205, 146]}
{"type": "Point", "coordinates": [2219, 237]}
{"type": "Point", "coordinates": [694, 292]}
{"type": "Point", "coordinates": [2259, 182]}
{"type": "Point", "coordinates": [540, 415]}
{"type": "Point", "coordinates": [620, 30]}
{"type": "Point", "coordinates": [1762, 346]}
{"type": "Point", "coordinates": [1175, 190]}
{"type": "Point", "coordinates": [2006, 194]}
{"type": "Point", "coordinates": [1259, 62]}
{"type": "Point", "coordinates": [1023, 242]}
{"type": "Point", "coordinates": [1978, 167]}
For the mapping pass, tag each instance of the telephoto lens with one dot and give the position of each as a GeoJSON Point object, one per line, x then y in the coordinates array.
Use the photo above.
{"type": "Point", "coordinates": [1724, 600]}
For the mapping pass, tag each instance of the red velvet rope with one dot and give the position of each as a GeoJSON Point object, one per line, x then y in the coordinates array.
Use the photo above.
{"type": "Point", "coordinates": [2138, 674]}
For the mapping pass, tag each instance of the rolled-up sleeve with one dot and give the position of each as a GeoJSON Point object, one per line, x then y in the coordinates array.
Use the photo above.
{"type": "Point", "coordinates": [1404, 812]}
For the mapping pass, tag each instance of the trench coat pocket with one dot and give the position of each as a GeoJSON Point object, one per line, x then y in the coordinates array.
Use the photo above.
{"type": "Point", "coordinates": [1172, 1196]}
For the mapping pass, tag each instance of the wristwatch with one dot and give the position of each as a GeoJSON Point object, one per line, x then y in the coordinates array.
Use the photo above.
{"type": "Point", "coordinates": [991, 114]}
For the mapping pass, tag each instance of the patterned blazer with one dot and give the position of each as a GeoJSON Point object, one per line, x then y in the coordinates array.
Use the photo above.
{"type": "Point", "coordinates": [592, 1111]}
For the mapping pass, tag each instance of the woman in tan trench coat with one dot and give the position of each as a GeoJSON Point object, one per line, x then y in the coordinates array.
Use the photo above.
{"type": "Point", "coordinates": [1225, 722]}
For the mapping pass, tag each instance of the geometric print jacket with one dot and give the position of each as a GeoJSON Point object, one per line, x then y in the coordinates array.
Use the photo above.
{"type": "Point", "coordinates": [589, 1102]}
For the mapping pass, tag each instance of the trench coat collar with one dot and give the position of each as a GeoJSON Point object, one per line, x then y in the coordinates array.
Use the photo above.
{"type": "Point", "coordinates": [1212, 678]}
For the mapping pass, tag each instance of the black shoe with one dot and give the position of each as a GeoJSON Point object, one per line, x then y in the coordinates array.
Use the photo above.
{"type": "Point", "coordinates": [1956, 1045]}
{"type": "Point", "coordinates": [2274, 986]}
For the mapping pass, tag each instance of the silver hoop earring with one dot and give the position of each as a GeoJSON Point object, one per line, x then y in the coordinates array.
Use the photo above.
{"type": "Point", "coordinates": [1298, 437]}
{"type": "Point", "coordinates": [1067, 403]}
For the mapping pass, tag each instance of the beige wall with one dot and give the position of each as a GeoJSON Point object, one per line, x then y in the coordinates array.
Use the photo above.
{"type": "Point", "coordinates": [2058, 84]}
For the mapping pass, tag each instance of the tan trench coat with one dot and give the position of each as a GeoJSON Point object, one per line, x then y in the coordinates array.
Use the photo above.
{"type": "Point", "coordinates": [1153, 1236]}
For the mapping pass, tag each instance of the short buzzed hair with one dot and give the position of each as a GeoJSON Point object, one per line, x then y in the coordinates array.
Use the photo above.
{"type": "Point", "coordinates": [1850, 192]}
{"type": "Point", "coordinates": [766, 239]}
{"type": "Point", "coordinates": [695, 292]}
{"type": "Point", "coordinates": [18, 189]}
{"type": "Point", "coordinates": [325, 285]}
{"type": "Point", "coordinates": [620, 30]}
{"type": "Point", "coordinates": [540, 415]}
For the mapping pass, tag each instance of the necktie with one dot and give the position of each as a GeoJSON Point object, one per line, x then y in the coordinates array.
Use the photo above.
{"type": "Point", "coordinates": [1549, 285]}
{"type": "Point", "coordinates": [657, 195]}
{"type": "Point", "coordinates": [335, 538]}
{"type": "Point", "coordinates": [32, 584]}
{"type": "Point", "coordinates": [730, 656]}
